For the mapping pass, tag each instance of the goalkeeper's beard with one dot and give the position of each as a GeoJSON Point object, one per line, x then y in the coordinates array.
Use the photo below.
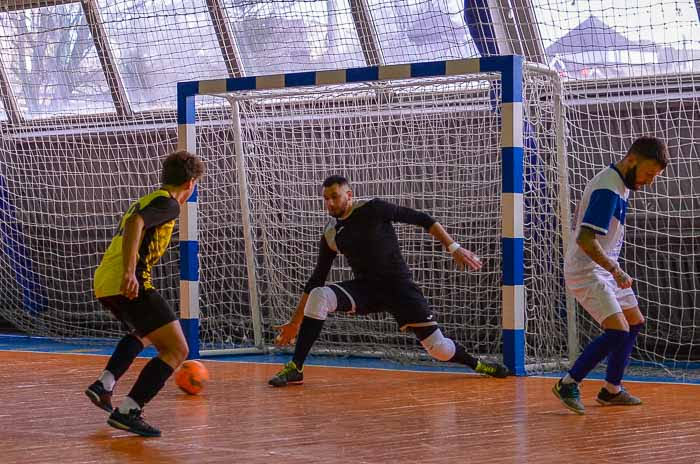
{"type": "Point", "coordinates": [341, 210]}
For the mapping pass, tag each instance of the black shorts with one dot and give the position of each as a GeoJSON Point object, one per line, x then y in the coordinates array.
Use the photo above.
{"type": "Point", "coordinates": [144, 314]}
{"type": "Point", "coordinates": [402, 299]}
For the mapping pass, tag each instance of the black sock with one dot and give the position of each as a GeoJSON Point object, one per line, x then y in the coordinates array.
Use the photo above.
{"type": "Point", "coordinates": [308, 333]}
{"type": "Point", "coordinates": [461, 356]}
{"type": "Point", "coordinates": [124, 354]}
{"type": "Point", "coordinates": [150, 381]}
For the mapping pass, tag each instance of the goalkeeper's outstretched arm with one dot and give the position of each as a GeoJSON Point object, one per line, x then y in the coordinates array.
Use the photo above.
{"type": "Point", "coordinates": [462, 256]}
{"type": "Point", "coordinates": [288, 331]}
{"type": "Point", "coordinates": [405, 215]}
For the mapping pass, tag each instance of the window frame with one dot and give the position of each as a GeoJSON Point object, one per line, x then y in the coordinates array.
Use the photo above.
{"type": "Point", "coordinates": [514, 23]}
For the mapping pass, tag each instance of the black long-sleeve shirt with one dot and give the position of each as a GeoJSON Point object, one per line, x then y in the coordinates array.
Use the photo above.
{"type": "Point", "coordinates": [368, 240]}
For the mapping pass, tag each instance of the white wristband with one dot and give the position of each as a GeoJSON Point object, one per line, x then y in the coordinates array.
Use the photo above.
{"type": "Point", "coordinates": [454, 246]}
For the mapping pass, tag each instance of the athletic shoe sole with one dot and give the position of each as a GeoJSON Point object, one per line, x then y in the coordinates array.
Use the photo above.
{"type": "Point", "coordinates": [296, 382]}
{"type": "Point", "coordinates": [580, 412]}
{"type": "Point", "coordinates": [610, 403]}
{"type": "Point", "coordinates": [95, 398]}
{"type": "Point", "coordinates": [118, 425]}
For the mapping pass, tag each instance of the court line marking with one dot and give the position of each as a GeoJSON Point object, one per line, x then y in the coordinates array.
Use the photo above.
{"type": "Point", "coordinates": [453, 371]}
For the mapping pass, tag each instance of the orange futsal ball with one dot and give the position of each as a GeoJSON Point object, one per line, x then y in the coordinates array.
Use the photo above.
{"type": "Point", "coordinates": [191, 377]}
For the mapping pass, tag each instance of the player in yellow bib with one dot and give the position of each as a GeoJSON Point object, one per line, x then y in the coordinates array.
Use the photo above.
{"type": "Point", "coordinates": [123, 285]}
{"type": "Point", "coordinates": [155, 207]}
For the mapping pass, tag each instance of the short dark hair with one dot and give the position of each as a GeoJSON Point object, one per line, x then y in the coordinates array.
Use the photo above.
{"type": "Point", "coordinates": [181, 166]}
{"type": "Point", "coordinates": [335, 179]}
{"type": "Point", "coordinates": [651, 148]}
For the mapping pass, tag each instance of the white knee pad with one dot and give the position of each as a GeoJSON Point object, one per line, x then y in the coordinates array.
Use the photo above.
{"type": "Point", "coordinates": [321, 301]}
{"type": "Point", "coordinates": [439, 347]}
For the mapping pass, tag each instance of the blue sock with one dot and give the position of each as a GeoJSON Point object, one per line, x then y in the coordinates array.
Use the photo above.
{"type": "Point", "coordinates": [618, 359]}
{"type": "Point", "coordinates": [596, 351]}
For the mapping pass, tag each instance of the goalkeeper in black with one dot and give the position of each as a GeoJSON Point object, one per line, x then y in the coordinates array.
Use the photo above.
{"type": "Point", "coordinates": [363, 232]}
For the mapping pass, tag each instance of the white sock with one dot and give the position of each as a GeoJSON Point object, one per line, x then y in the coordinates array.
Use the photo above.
{"type": "Point", "coordinates": [127, 405]}
{"type": "Point", "coordinates": [107, 380]}
{"type": "Point", "coordinates": [568, 379]}
{"type": "Point", "coordinates": [614, 389]}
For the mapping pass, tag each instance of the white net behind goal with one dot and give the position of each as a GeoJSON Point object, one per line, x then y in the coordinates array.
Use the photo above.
{"type": "Point", "coordinates": [433, 145]}
{"type": "Point", "coordinates": [62, 194]}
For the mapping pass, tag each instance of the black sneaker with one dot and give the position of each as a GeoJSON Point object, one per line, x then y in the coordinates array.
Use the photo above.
{"type": "Point", "coordinates": [132, 422]}
{"type": "Point", "coordinates": [622, 398]}
{"type": "Point", "coordinates": [288, 375]}
{"type": "Point", "coordinates": [99, 396]}
{"type": "Point", "coordinates": [492, 369]}
{"type": "Point", "coordinates": [569, 395]}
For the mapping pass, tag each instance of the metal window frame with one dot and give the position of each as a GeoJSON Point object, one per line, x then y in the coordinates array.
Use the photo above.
{"type": "Point", "coordinates": [226, 38]}
{"type": "Point", "coordinates": [9, 101]}
{"type": "Point", "coordinates": [513, 22]}
{"type": "Point", "coordinates": [104, 52]}
{"type": "Point", "coordinates": [367, 32]}
{"type": "Point", "coordinates": [30, 4]}
{"type": "Point", "coordinates": [516, 31]}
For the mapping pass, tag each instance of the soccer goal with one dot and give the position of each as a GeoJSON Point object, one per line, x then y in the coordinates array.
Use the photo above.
{"type": "Point", "coordinates": [477, 143]}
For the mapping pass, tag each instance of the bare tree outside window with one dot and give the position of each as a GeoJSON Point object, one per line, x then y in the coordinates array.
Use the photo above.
{"type": "Point", "coordinates": [52, 63]}
{"type": "Point", "coordinates": [157, 43]}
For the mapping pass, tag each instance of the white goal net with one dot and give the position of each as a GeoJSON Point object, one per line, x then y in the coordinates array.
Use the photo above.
{"type": "Point", "coordinates": [432, 144]}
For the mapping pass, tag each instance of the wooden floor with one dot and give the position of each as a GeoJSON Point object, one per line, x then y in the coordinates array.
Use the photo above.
{"type": "Point", "coordinates": [339, 415]}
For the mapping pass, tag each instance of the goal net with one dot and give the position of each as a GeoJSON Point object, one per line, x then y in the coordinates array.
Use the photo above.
{"type": "Point", "coordinates": [433, 144]}
{"type": "Point", "coordinates": [62, 194]}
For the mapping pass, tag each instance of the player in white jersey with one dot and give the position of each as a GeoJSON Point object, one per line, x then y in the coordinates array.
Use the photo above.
{"type": "Point", "coordinates": [594, 276]}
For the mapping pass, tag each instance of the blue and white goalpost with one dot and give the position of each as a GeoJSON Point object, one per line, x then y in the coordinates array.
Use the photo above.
{"type": "Point", "coordinates": [504, 72]}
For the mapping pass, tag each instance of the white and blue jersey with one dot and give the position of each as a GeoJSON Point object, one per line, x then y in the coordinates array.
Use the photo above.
{"type": "Point", "coordinates": [602, 209]}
